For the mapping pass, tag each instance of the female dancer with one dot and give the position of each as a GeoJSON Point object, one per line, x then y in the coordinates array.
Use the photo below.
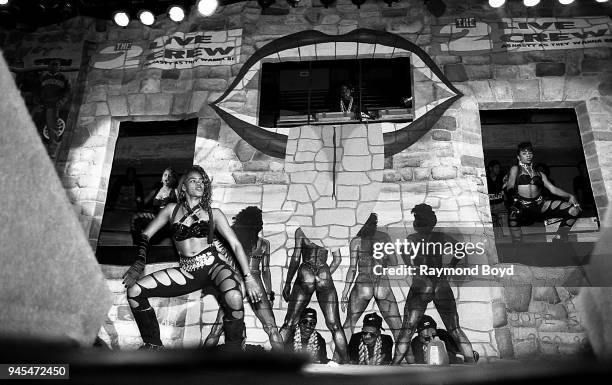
{"type": "Point", "coordinates": [369, 285]}
{"type": "Point", "coordinates": [313, 275]}
{"type": "Point", "coordinates": [159, 198]}
{"type": "Point", "coordinates": [427, 288]}
{"type": "Point", "coordinates": [193, 226]}
{"type": "Point", "coordinates": [526, 186]}
{"type": "Point", "coordinates": [247, 225]}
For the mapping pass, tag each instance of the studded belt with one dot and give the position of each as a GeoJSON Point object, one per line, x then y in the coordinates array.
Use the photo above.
{"type": "Point", "coordinates": [205, 258]}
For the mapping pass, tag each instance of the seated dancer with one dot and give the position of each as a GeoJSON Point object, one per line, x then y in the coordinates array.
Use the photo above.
{"type": "Point", "coordinates": [193, 226]}
{"type": "Point", "coordinates": [369, 346]}
{"type": "Point", "coordinates": [426, 331]}
{"type": "Point", "coordinates": [313, 275]}
{"type": "Point", "coordinates": [427, 288]}
{"type": "Point", "coordinates": [247, 225]}
{"type": "Point", "coordinates": [126, 193]}
{"type": "Point", "coordinates": [307, 340]}
{"type": "Point", "coordinates": [164, 193]}
{"type": "Point", "coordinates": [525, 186]}
{"type": "Point", "coordinates": [367, 284]}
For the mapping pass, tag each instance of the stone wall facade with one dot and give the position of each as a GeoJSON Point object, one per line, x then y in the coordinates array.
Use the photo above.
{"type": "Point", "coordinates": [444, 168]}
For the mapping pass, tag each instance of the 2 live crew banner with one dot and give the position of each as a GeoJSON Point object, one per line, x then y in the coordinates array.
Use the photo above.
{"type": "Point", "coordinates": [469, 35]}
{"type": "Point", "coordinates": [179, 50]}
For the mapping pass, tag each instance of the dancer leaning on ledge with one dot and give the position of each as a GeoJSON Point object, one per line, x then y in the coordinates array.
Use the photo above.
{"type": "Point", "coordinates": [525, 186]}
{"type": "Point", "coordinates": [193, 224]}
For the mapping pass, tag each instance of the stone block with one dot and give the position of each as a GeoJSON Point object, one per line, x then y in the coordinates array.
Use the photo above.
{"type": "Point", "coordinates": [605, 88]}
{"type": "Point", "coordinates": [548, 294]}
{"type": "Point", "coordinates": [118, 105]}
{"type": "Point", "coordinates": [173, 74]}
{"type": "Point", "coordinates": [552, 89]}
{"type": "Point", "coordinates": [476, 72]}
{"type": "Point", "coordinates": [526, 349]}
{"type": "Point", "coordinates": [508, 58]}
{"type": "Point", "coordinates": [503, 337]}
{"type": "Point", "coordinates": [198, 100]}
{"type": "Point", "coordinates": [210, 85]}
{"type": "Point", "coordinates": [180, 104]}
{"type": "Point", "coordinates": [455, 72]}
{"type": "Point", "coordinates": [149, 86]}
{"type": "Point", "coordinates": [136, 104]}
{"type": "Point", "coordinates": [500, 316]}
{"type": "Point", "coordinates": [472, 161]}
{"type": "Point", "coordinates": [444, 172]}
{"type": "Point", "coordinates": [406, 173]}
{"type": "Point", "coordinates": [392, 176]}
{"type": "Point", "coordinates": [596, 65]}
{"type": "Point", "coordinates": [158, 104]}
{"type": "Point", "coordinates": [441, 135]}
{"type": "Point", "coordinates": [553, 325]}
{"type": "Point", "coordinates": [549, 69]}
{"type": "Point", "coordinates": [526, 90]}
{"type": "Point", "coordinates": [421, 173]}
{"type": "Point", "coordinates": [446, 123]}
{"type": "Point", "coordinates": [518, 297]}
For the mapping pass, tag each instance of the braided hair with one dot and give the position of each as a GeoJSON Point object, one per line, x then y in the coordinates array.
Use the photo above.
{"type": "Point", "coordinates": [364, 354]}
{"type": "Point", "coordinates": [312, 347]}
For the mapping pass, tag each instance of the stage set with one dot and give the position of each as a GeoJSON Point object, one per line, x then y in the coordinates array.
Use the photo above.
{"type": "Point", "coordinates": [327, 134]}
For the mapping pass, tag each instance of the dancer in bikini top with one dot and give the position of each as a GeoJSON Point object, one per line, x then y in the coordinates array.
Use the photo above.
{"type": "Point", "coordinates": [525, 185]}
{"type": "Point", "coordinates": [200, 265]}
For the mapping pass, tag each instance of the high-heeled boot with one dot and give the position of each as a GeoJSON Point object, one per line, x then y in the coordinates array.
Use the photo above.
{"type": "Point", "coordinates": [234, 334]}
{"type": "Point", "coordinates": [148, 327]}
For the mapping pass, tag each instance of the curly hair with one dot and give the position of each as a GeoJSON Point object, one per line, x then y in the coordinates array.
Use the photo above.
{"type": "Point", "coordinates": [312, 347]}
{"type": "Point", "coordinates": [247, 225]}
{"type": "Point", "coordinates": [524, 146]}
{"type": "Point", "coordinates": [364, 355]}
{"type": "Point", "coordinates": [173, 177]}
{"type": "Point", "coordinates": [206, 199]}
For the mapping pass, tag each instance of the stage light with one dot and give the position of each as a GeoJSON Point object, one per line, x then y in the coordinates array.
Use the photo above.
{"type": "Point", "coordinates": [531, 3]}
{"type": "Point", "coordinates": [602, 1]}
{"type": "Point", "coordinates": [146, 17]}
{"type": "Point", "coordinates": [566, 2]}
{"type": "Point", "coordinates": [265, 3]}
{"type": "Point", "coordinates": [358, 3]}
{"type": "Point", "coordinates": [496, 3]}
{"type": "Point", "coordinates": [121, 18]}
{"type": "Point", "coordinates": [176, 13]}
{"type": "Point", "coordinates": [207, 7]}
{"type": "Point", "coordinates": [435, 7]}
{"type": "Point", "coordinates": [327, 3]}
{"type": "Point", "coordinates": [67, 10]}
{"type": "Point", "coordinates": [3, 2]}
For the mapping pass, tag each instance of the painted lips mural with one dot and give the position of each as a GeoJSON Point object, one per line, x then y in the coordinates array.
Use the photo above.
{"type": "Point", "coordinates": [336, 171]}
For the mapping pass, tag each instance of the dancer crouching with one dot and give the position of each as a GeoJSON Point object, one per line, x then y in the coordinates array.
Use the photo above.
{"type": "Point", "coordinates": [193, 224]}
